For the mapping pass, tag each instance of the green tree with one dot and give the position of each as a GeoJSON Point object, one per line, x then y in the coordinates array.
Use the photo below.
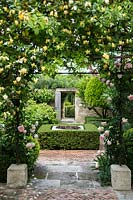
{"type": "Point", "coordinates": [94, 96]}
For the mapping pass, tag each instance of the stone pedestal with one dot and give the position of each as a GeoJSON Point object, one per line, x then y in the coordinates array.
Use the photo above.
{"type": "Point", "coordinates": [17, 176]}
{"type": "Point", "coordinates": [120, 177]}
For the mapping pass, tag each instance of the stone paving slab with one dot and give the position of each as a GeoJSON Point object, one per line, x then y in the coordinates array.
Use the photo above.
{"type": "Point", "coordinates": [125, 195]}
{"type": "Point", "coordinates": [88, 176]}
{"type": "Point", "coordinates": [62, 176]}
{"type": "Point", "coordinates": [45, 184]}
{"type": "Point", "coordinates": [68, 168]}
{"type": "Point", "coordinates": [77, 184]}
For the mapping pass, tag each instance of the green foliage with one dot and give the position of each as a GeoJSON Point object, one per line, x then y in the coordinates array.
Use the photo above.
{"type": "Point", "coordinates": [69, 111]}
{"type": "Point", "coordinates": [128, 138]}
{"type": "Point", "coordinates": [104, 169]}
{"type": "Point", "coordinates": [8, 155]}
{"type": "Point", "coordinates": [59, 81]}
{"type": "Point", "coordinates": [42, 113]}
{"type": "Point", "coordinates": [68, 139]}
{"type": "Point", "coordinates": [82, 83]}
{"type": "Point", "coordinates": [94, 93]}
{"type": "Point", "coordinates": [43, 95]}
{"type": "Point", "coordinates": [95, 120]}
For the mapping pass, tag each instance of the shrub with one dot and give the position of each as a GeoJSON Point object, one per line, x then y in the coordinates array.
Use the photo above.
{"type": "Point", "coordinates": [68, 139]}
{"type": "Point", "coordinates": [128, 138]}
{"type": "Point", "coordinates": [104, 169]}
{"type": "Point", "coordinates": [43, 95]}
{"type": "Point", "coordinates": [42, 113]}
{"type": "Point", "coordinates": [95, 120]}
{"type": "Point", "coordinates": [69, 111]}
{"type": "Point", "coordinates": [7, 154]}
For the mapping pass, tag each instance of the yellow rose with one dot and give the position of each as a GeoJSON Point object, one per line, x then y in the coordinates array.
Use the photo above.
{"type": "Point", "coordinates": [96, 50]}
{"type": "Point", "coordinates": [51, 13]}
{"type": "Point", "coordinates": [106, 56]}
{"type": "Point", "coordinates": [21, 15]}
{"type": "Point", "coordinates": [33, 64]}
{"type": "Point", "coordinates": [121, 42]}
{"type": "Point", "coordinates": [15, 82]}
{"type": "Point", "coordinates": [1, 42]}
{"type": "Point", "coordinates": [85, 42]}
{"type": "Point", "coordinates": [18, 92]}
{"type": "Point", "coordinates": [35, 80]}
{"type": "Point", "coordinates": [113, 45]}
{"type": "Point", "coordinates": [45, 48]}
{"type": "Point", "coordinates": [1, 70]}
{"type": "Point", "coordinates": [87, 51]}
{"type": "Point", "coordinates": [109, 38]}
{"type": "Point", "coordinates": [105, 66]}
{"type": "Point", "coordinates": [16, 22]}
{"type": "Point", "coordinates": [65, 12]}
{"type": "Point", "coordinates": [43, 68]}
{"type": "Point", "coordinates": [1, 89]}
{"type": "Point", "coordinates": [5, 9]}
{"type": "Point", "coordinates": [23, 71]}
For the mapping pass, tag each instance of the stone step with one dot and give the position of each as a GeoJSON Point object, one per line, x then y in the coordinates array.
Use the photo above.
{"type": "Point", "coordinates": [65, 184]}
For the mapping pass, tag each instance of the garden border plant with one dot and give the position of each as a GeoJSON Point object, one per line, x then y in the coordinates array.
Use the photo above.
{"type": "Point", "coordinates": [69, 139]}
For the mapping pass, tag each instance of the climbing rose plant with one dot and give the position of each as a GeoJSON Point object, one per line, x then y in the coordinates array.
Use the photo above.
{"type": "Point", "coordinates": [39, 36]}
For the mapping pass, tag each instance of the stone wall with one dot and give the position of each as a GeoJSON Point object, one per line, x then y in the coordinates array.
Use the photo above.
{"type": "Point", "coordinates": [81, 111]}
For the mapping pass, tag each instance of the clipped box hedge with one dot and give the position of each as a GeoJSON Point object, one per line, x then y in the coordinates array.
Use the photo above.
{"type": "Point", "coordinates": [68, 139]}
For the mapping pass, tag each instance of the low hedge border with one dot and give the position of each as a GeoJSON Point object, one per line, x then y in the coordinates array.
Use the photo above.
{"type": "Point", "coordinates": [68, 139]}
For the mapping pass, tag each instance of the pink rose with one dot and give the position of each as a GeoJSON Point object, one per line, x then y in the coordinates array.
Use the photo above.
{"type": "Point", "coordinates": [109, 142]}
{"type": "Point", "coordinates": [102, 137]}
{"type": "Point", "coordinates": [21, 129]}
{"type": "Point", "coordinates": [130, 97]}
{"type": "Point", "coordinates": [128, 66]}
{"type": "Point", "coordinates": [30, 145]}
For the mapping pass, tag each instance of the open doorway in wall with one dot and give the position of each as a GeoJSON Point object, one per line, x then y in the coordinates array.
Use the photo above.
{"type": "Point", "coordinates": [67, 104]}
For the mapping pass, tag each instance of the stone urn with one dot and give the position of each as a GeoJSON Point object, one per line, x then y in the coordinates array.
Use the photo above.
{"type": "Point", "coordinates": [17, 175]}
{"type": "Point", "coordinates": [120, 177]}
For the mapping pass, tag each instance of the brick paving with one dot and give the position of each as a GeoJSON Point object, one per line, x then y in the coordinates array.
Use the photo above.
{"type": "Point", "coordinates": [51, 160]}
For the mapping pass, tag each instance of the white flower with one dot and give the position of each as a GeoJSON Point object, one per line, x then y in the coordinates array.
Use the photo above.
{"type": "Point", "coordinates": [106, 133]}
{"type": "Point", "coordinates": [30, 145]}
{"type": "Point", "coordinates": [111, 84]}
{"type": "Point", "coordinates": [18, 79]}
{"type": "Point", "coordinates": [5, 97]}
{"type": "Point", "coordinates": [36, 123]}
{"type": "Point", "coordinates": [124, 120]}
{"type": "Point", "coordinates": [103, 123]}
{"type": "Point", "coordinates": [36, 136]}
{"type": "Point", "coordinates": [109, 99]}
{"type": "Point", "coordinates": [106, 1]}
{"type": "Point", "coordinates": [119, 76]}
{"type": "Point", "coordinates": [100, 129]}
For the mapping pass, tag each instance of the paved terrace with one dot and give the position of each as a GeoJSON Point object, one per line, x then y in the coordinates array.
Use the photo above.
{"type": "Point", "coordinates": [64, 175]}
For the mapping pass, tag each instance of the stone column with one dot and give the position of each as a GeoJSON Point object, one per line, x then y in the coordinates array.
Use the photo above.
{"type": "Point", "coordinates": [58, 104]}
{"type": "Point", "coordinates": [17, 176]}
{"type": "Point", "coordinates": [120, 177]}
